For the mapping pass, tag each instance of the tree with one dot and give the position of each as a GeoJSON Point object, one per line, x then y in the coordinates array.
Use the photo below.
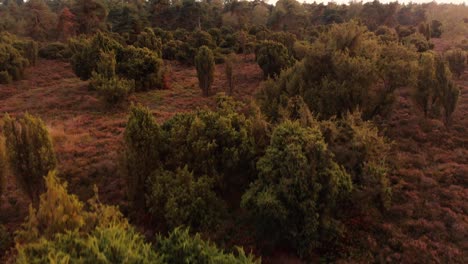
{"type": "Point", "coordinates": [142, 147]}
{"type": "Point", "coordinates": [147, 39]}
{"type": "Point", "coordinates": [446, 91]}
{"type": "Point", "coordinates": [456, 59]}
{"type": "Point", "coordinates": [66, 27]}
{"type": "Point", "coordinates": [228, 71]}
{"type": "Point", "coordinates": [111, 88]}
{"type": "Point", "coordinates": [205, 65]}
{"type": "Point", "coordinates": [181, 247]}
{"type": "Point", "coordinates": [12, 64]}
{"type": "Point", "coordinates": [30, 153]}
{"type": "Point", "coordinates": [298, 186]}
{"type": "Point", "coordinates": [3, 166]}
{"type": "Point", "coordinates": [272, 57]}
{"type": "Point", "coordinates": [436, 28]}
{"type": "Point", "coordinates": [177, 198]}
{"type": "Point", "coordinates": [425, 88]}
{"type": "Point", "coordinates": [40, 21]}
{"type": "Point", "coordinates": [90, 15]}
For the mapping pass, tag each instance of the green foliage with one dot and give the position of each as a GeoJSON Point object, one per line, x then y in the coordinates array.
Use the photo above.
{"type": "Point", "coordinates": [86, 53]}
{"type": "Point", "coordinates": [447, 91]}
{"type": "Point", "coordinates": [147, 39]}
{"type": "Point", "coordinates": [177, 198]}
{"type": "Point", "coordinates": [13, 58]}
{"type": "Point", "coordinates": [3, 167]}
{"type": "Point", "coordinates": [216, 144]}
{"type": "Point", "coordinates": [5, 240]}
{"type": "Point", "coordinates": [436, 28]}
{"type": "Point", "coordinates": [179, 247]}
{"type": "Point", "coordinates": [114, 90]}
{"type": "Point", "coordinates": [359, 148]}
{"type": "Point", "coordinates": [425, 92]}
{"type": "Point", "coordinates": [40, 20]}
{"type": "Point", "coordinates": [113, 244]}
{"type": "Point", "coordinates": [205, 65]}
{"type": "Point", "coordinates": [142, 147]}
{"type": "Point", "coordinates": [141, 65]}
{"type": "Point", "coordinates": [342, 71]}
{"type": "Point", "coordinates": [418, 41]}
{"type": "Point", "coordinates": [111, 88]}
{"type": "Point", "coordinates": [62, 231]}
{"type": "Point", "coordinates": [456, 59]}
{"type": "Point", "coordinates": [55, 51]}
{"type": "Point", "coordinates": [298, 187]}
{"type": "Point", "coordinates": [229, 74]}
{"type": "Point", "coordinates": [30, 152]}
{"type": "Point", "coordinates": [272, 57]}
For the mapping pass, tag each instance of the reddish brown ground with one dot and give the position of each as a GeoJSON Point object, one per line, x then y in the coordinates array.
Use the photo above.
{"type": "Point", "coordinates": [427, 223]}
{"type": "Point", "coordinates": [87, 135]}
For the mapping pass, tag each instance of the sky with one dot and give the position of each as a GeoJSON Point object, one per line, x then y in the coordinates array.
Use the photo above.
{"type": "Point", "coordinates": [385, 1]}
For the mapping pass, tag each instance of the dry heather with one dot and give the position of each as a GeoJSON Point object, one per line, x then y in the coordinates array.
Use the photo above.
{"type": "Point", "coordinates": [427, 222]}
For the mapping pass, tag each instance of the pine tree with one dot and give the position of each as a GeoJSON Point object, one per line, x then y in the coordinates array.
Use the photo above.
{"type": "Point", "coordinates": [205, 64]}
{"type": "Point", "coordinates": [30, 153]}
{"type": "Point", "coordinates": [142, 147]}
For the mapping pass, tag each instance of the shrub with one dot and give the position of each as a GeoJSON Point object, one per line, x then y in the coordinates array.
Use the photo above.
{"type": "Point", "coordinates": [216, 144]}
{"type": "Point", "coordinates": [29, 50]}
{"type": "Point", "coordinates": [177, 198]}
{"type": "Point", "coordinates": [272, 57]}
{"type": "Point", "coordinates": [3, 167]}
{"type": "Point", "coordinates": [86, 53]}
{"type": "Point", "coordinates": [5, 240]}
{"type": "Point", "coordinates": [147, 39]}
{"type": "Point", "coordinates": [297, 188]}
{"type": "Point", "coordinates": [425, 91]}
{"type": "Point", "coordinates": [358, 147]}
{"type": "Point", "coordinates": [447, 92]}
{"type": "Point", "coordinates": [202, 38]}
{"type": "Point", "coordinates": [30, 152]}
{"type": "Point", "coordinates": [115, 90]}
{"type": "Point", "coordinates": [141, 65]}
{"type": "Point", "coordinates": [61, 230]}
{"type": "Point", "coordinates": [55, 51]}
{"type": "Point", "coordinates": [205, 65]}
{"type": "Point", "coordinates": [12, 64]}
{"type": "Point", "coordinates": [228, 71]}
{"type": "Point", "coordinates": [180, 247]}
{"type": "Point", "coordinates": [142, 147]}
{"type": "Point", "coordinates": [456, 59]}
{"type": "Point", "coordinates": [418, 41]}
{"type": "Point", "coordinates": [300, 49]}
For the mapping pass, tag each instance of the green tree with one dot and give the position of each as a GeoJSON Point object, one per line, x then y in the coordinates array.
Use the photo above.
{"type": "Point", "coordinates": [143, 138]}
{"type": "Point", "coordinates": [272, 57]}
{"type": "Point", "coordinates": [147, 39]}
{"type": "Point", "coordinates": [3, 166]}
{"type": "Point", "coordinates": [298, 187]}
{"type": "Point", "coordinates": [229, 74]}
{"type": "Point", "coordinates": [179, 247]}
{"type": "Point", "coordinates": [447, 92]}
{"type": "Point", "coordinates": [12, 63]}
{"type": "Point", "coordinates": [205, 65]}
{"type": "Point", "coordinates": [110, 87]}
{"type": "Point", "coordinates": [425, 92]}
{"type": "Point", "coordinates": [90, 15]}
{"type": "Point", "coordinates": [40, 20]}
{"type": "Point", "coordinates": [30, 153]}
{"type": "Point", "coordinates": [177, 198]}
{"type": "Point", "coordinates": [456, 59]}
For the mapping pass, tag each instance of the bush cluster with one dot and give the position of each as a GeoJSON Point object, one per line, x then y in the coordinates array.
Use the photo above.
{"type": "Point", "coordinates": [15, 56]}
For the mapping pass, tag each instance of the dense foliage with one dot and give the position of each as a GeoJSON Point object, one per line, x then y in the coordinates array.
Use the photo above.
{"type": "Point", "coordinates": [30, 152]}
{"type": "Point", "coordinates": [204, 63]}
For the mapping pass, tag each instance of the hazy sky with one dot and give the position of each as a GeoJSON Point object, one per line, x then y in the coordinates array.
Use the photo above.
{"type": "Point", "coordinates": [384, 1]}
